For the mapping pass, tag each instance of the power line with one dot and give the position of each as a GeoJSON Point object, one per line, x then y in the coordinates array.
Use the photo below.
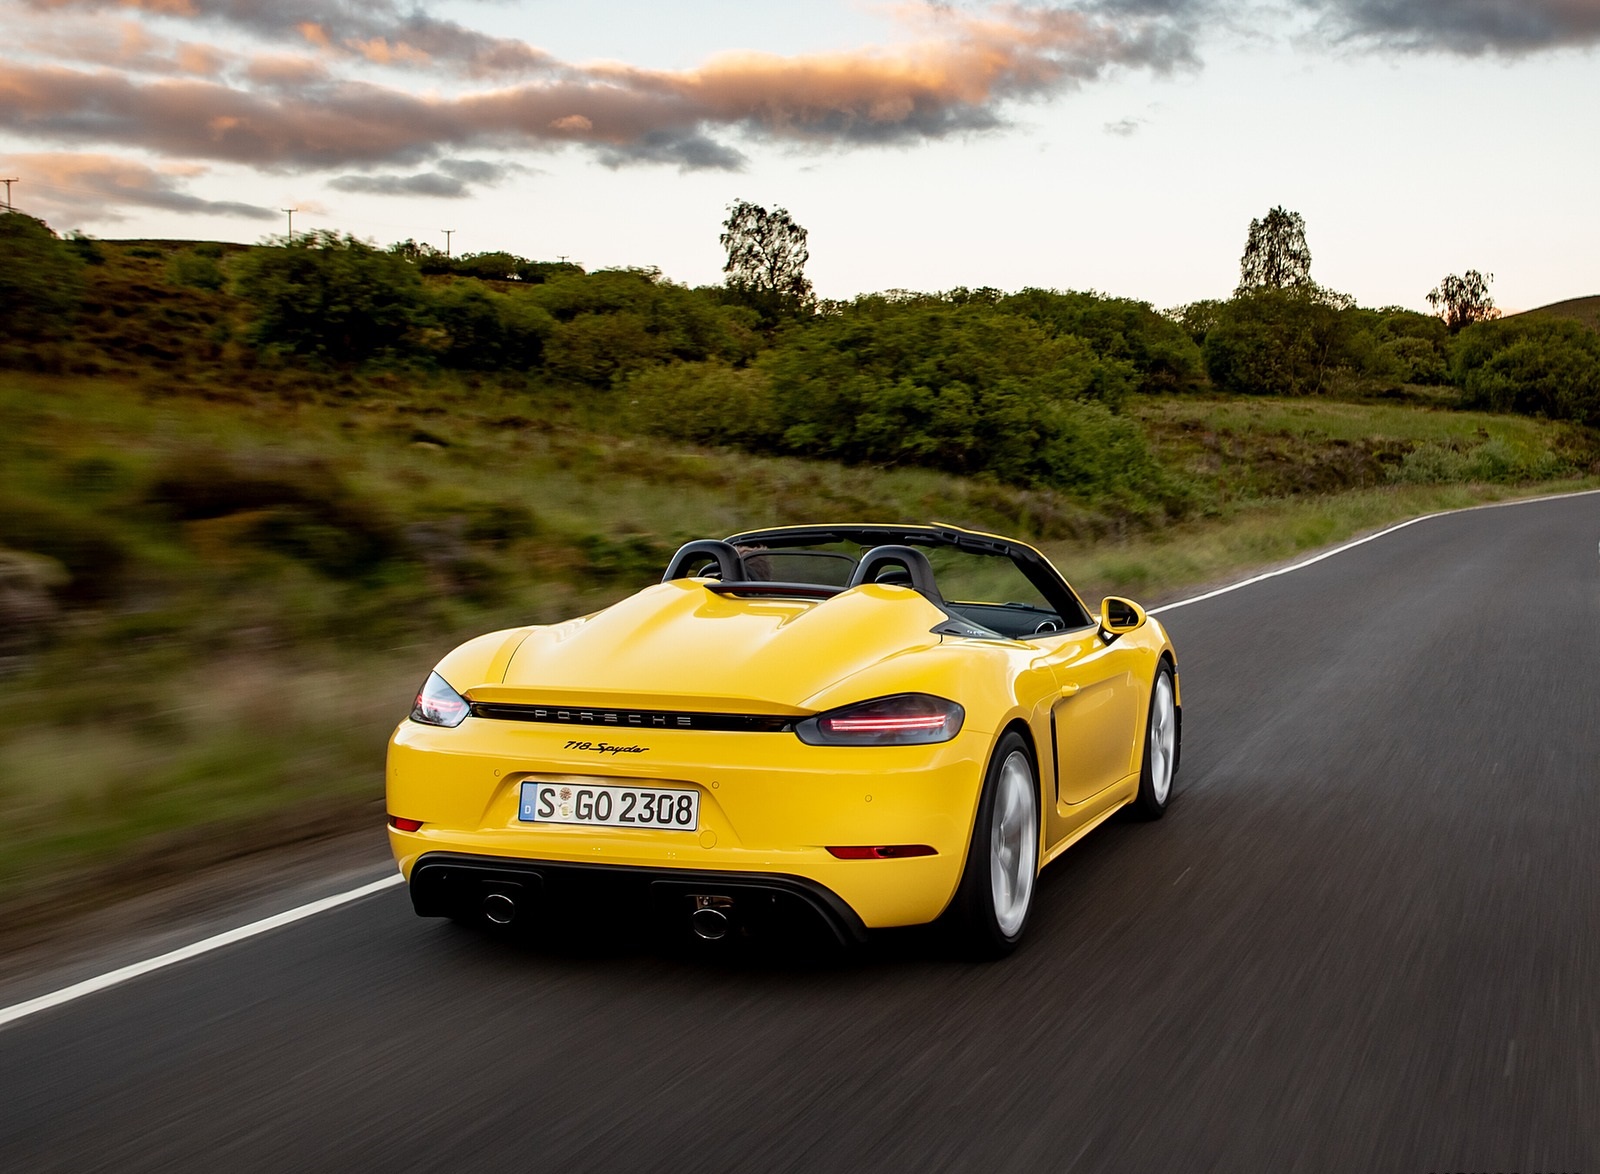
{"type": "Point", "coordinates": [8, 183]}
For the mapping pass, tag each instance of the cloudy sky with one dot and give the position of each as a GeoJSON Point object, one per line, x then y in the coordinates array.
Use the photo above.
{"type": "Point", "coordinates": [1120, 145]}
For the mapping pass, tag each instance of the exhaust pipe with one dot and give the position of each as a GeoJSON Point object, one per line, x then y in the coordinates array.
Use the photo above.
{"type": "Point", "coordinates": [709, 925]}
{"type": "Point", "coordinates": [499, 909]}
{"type": "Point", "coordinates": [710, 921]}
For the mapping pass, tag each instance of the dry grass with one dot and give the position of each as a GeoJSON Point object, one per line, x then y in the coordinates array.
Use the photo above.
{"type": "Point", "coordinates": [1585, 310]}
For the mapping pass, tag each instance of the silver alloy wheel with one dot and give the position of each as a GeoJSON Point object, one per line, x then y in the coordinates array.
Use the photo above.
{"type": "Point", "coordinates": [1163, 738]}
{"type": "Point", "coordinates": [1014, 844]}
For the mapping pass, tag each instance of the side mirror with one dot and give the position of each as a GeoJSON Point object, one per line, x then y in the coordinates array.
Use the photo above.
{"type": "Point", "coordinates": [1118, 617]}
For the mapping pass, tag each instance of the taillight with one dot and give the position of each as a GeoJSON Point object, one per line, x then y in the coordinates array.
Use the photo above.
{"type": "Point", "coordinates": [438, 704]}
{"type": "Point", "coordinates": [404, 825]}
{"type": "Point", "coordinates": [908, 719]}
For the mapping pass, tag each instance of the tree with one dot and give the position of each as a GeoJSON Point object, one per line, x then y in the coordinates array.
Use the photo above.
{"type": "Point", "coordinates": [1160, 350]}
{"type": "Point", "coordinates": [1280, 341]}
{"type": "Point", "coordinates": [1463, 300]}
{"type": "Point", "coordinates": [767, 257]}
{"type": "Point", "coordinates": [1276, 255]}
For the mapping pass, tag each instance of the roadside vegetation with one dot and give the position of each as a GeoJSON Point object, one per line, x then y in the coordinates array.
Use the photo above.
{"type": "Point", "coordinates": [249, 494]}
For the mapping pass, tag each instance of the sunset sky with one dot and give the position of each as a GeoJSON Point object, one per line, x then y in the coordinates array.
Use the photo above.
{"type": "Point", "coordinates": [1120, 145]}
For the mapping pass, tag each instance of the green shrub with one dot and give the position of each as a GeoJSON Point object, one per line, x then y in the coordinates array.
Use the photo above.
{"type": "Point", "coordinates": [41, 280]}
{"type": "Point", "coordinates": [1198, 319]}
{"type": "Point", "coordinates": [1534, 366]}
{"type": "Point", "coordinates": [487, 331]}
{"type": "Point", "coordinates": [1493, 461]}
{"type": "Point", "coordinates": [332, 296]}
{"type": "Point", "coordinates": [498, 266]}
{"type": "Point", "coordinates": [196, 269]}
{"type": "Point", "coordinates": [704, 403]}
{"type": "Point", "coordinates": [951, 384]}
{"type": "Point", "coordinates": [616, 321]}
{"type": "Point", "coordinates": [1158, 348]}
{"type": "Point", "coordinates": [1411, 360]}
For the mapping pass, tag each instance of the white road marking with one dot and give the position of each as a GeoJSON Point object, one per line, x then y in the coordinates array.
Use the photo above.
{"type": "Point", "coordinates": [89, 986]}
{"type": "Point", "coordinates": [1314, 559]}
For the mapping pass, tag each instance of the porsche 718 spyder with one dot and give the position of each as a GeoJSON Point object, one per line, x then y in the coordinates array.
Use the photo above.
{"type": "Point", "coordinates": [841, 727]}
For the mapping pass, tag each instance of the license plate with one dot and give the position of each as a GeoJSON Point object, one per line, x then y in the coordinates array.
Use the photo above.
{"type": "Point", "coordinates": [614, 807]}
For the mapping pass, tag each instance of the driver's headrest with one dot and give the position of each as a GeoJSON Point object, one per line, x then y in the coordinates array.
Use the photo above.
{"type": "Point", "coordinates": [895, 576]}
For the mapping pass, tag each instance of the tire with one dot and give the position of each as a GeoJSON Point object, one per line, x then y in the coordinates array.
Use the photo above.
{"type": "Point", "coordinates": [1160, 765]}
{"type": "Point", "coordinates": [991, 906]}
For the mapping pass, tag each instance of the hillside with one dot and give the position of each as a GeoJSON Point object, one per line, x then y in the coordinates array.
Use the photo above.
{"type": "Point", "coordinates": [1585, 310]}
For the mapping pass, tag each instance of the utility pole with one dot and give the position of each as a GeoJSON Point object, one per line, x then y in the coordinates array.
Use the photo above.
{"type": "Point", "coordinates": [448, 233]}
{"type": "Point", "coordinates": [8, 183]}
{"type": "Point", "coordinates": [290, 212]}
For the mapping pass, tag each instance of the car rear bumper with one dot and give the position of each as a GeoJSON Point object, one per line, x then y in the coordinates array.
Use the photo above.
{"type": "Point", "coordinates": [769, 806]}
{"type": "Point", "coordinates": [530, 892]}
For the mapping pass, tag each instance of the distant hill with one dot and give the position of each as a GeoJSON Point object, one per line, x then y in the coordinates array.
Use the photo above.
{"type": "Point", "coordinates": [1585, 310]}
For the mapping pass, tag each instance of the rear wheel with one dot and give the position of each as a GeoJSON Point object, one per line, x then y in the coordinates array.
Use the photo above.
{"type": "Point", "coordinates": [992, 904]}
{"type": "Point", "coordinates": [1160, 747]}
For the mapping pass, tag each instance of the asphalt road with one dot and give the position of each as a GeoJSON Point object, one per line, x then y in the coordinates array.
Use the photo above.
{"type": "Point", "coordinates": [1365, 938]}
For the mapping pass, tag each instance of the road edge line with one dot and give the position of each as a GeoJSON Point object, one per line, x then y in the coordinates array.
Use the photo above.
{"type": "Point", "coordinates": [1384, 533]}
{"type": "Point", "coordinates": [112, 978]}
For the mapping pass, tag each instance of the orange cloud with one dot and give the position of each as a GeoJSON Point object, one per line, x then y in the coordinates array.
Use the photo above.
{"type": "Point", "coordinates": [123, 44]}
{"type": "Point", "coordinates": [387, 32]}
{"type": "Point", "coordinates": [286, 70]}
{"type": "Point", "coordinates": [956, 76]}
{"type": "Point", "coordinates": [204, 60]}
{"type": "Point", "coordinates": [76, 185]}
{"type": "Point", "coordinates": [381, 52]}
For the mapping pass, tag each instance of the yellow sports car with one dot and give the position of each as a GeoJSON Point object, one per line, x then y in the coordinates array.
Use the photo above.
{"type": "Point", "coordinates": [807, 726]}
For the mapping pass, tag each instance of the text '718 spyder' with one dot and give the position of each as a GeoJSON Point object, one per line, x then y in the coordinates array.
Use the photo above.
{"type": "Point", "coordinates": [829, 728]}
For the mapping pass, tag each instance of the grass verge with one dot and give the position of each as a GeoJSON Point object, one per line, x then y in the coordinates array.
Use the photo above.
{"type": "Point", "coordinates": [219, 600]}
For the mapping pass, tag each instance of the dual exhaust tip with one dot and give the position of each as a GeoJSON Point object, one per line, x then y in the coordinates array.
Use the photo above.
{"type": "Point", "coordinates": [710, 920]}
